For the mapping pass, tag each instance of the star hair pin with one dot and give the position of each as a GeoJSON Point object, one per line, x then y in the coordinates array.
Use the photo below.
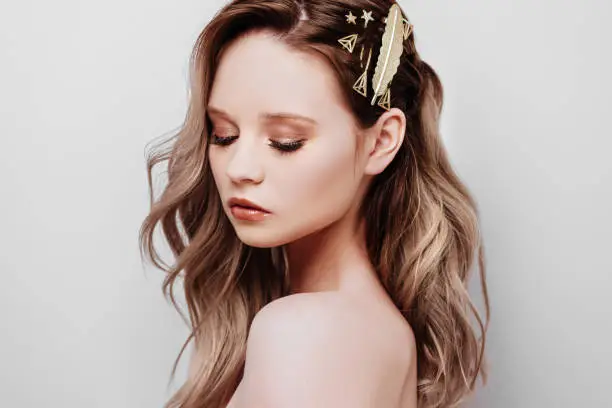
{"type": "Point", "coordinates": [367, 17]}
{"type": "Point", "coordinates": [350, 18]}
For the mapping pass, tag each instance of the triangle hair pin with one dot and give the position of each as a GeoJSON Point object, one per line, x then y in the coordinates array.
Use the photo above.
{"type": "Point", "coordinates": [407, 29]}
{"type": "Point", "coordinates": [349, 42]}
{"type": "Point", "coordinates": [361, 85]}
{"type": "Point", "coordinates": [385, 101]}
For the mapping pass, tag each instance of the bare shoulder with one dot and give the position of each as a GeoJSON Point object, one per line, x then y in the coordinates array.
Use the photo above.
{"type": "Point", "coordinates": [332, 314]}
{"type": "Point", "coordinates": [323, 349]}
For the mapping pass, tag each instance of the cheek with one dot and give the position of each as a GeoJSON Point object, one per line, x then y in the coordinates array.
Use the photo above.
{"type": "Point", "coordinates": [326, 185]}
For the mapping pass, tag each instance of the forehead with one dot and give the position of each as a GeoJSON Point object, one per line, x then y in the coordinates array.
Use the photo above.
{"type": "Point", "coordinates": [260, 73]}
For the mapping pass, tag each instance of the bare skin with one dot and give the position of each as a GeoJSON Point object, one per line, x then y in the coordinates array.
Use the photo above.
{"type": "Point", "coordinates": [342, 342]}
{"type": "Point", "coordinates": [372, 325]}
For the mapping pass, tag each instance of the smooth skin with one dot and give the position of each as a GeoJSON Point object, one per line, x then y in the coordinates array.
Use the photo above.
{"type": "Point", "coordinates": [283, 139]}
{"type": "Point", "coordinates": [326, 350]}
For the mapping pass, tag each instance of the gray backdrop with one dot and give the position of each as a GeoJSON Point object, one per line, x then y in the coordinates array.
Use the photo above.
{"type": "Point", "coordinates": [85, 85]}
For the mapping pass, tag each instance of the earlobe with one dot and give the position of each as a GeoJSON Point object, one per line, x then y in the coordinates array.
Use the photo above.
{"type": "Point", "coordinates": [388, 138]}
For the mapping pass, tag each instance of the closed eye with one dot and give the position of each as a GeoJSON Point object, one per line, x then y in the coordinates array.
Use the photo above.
{"type": "Point", "coordinates": [287, 147]}
{"type": "Point", "coordinates": [223, 141]}
{"type": "Point", "coordinates": [281, 147]}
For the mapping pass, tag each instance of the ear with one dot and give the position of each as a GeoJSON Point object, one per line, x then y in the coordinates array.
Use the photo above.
{"type": "Point", "coordinates": [384, 140]}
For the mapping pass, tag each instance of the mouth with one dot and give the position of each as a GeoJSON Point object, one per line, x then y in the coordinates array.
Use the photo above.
{"type": "Point", "coordinates": [246, 210]}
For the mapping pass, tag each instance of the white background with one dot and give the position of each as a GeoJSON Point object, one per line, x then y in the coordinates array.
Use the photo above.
{"type": "Point", "coordinates": [85, 85]}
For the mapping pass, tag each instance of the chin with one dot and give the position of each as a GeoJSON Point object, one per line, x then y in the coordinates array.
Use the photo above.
{"type": "Point", "coordinates": [260, 239]}
{"type": "Point", "coordinates": [276, 233]}
{"type": "Point", "coordinates": [269, 236]}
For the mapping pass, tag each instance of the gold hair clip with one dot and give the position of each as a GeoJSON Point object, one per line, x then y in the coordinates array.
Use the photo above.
{"type": "Point", "coordinates": [389, 57]}
{"type": "Point", "coordinates": [397, 29]}
{"type": "Point", "coordinates": [361, 85]}
{"type": "Point", "coordinates": [351, 19]}
{"type": "Point", "coordinates": [349, 42]}
{"type": "Point", "coordinates": [407, 28]}
{"type": "Point", "coordinates": [367, 17]}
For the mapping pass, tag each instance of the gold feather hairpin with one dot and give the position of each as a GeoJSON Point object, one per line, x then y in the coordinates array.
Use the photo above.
{"type": "Point", "coordinates": [397, 29]}
{"type": "Point", "coordinates": [389, 56]}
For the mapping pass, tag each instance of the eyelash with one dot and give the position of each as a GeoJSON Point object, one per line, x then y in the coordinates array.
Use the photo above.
{"type": "Point", "coordinates": [283, 148]}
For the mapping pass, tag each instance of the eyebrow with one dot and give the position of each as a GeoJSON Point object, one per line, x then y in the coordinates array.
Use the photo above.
{"type": "Point", "coordinates": [268, 116]}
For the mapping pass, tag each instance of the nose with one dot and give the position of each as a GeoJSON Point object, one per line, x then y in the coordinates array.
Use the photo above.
{"type": "Point", "coordinates": [244, 166]}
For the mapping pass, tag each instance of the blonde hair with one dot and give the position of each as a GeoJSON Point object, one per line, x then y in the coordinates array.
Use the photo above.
{"type": "Point", "coordinates": [422, 227]}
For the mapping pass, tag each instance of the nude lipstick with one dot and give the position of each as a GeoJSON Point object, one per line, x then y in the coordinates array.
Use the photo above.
{"type": "Point", "coordinates": [246, 210]}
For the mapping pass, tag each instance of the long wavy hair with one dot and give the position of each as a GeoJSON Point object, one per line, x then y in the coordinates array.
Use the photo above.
{"type": "Point", "coordinates": [422, 226]}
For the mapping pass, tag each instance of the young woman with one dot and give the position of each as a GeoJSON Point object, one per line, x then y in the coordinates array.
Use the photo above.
{"type": "Point", "coordinates": [322, 238]}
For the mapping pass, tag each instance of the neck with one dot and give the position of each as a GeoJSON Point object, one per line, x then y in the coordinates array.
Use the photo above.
{"type": "Point", "coordinates": [332, 259]}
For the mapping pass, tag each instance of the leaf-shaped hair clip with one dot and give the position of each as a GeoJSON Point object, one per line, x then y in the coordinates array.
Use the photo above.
{"type": "Point", "coordinates": [390, 53]}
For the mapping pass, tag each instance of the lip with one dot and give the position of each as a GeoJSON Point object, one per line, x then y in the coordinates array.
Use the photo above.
{"type": "Point", "coordinates": [243, 202]}
{"type": "Point", "coordinates": [244, 209]}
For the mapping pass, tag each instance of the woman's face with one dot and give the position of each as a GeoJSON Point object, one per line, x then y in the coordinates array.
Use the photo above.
{"type": "Point", "coordinates": [281, 139]}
